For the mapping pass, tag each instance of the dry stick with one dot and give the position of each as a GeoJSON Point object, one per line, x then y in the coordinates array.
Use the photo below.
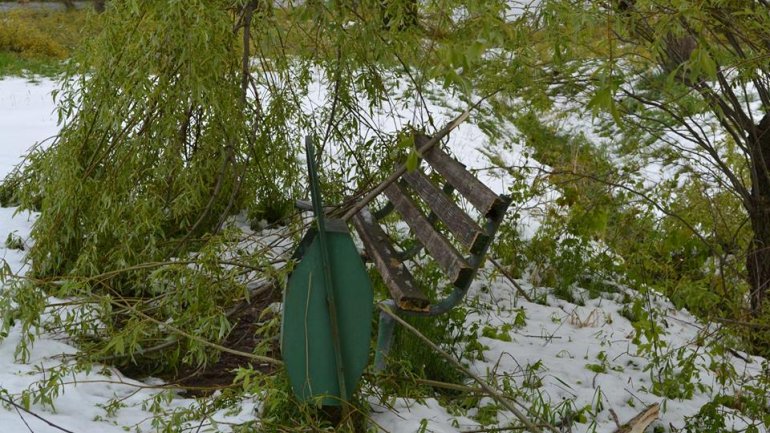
{"type": "Point", "coordinates": [450, 386]}
{"type": "Point", "coordinates": [510, 278]}
{"type": "Point", "coordinates": [640, 422]}
{"type": "Point", "coordinates": [22, 408]}
{"type": "Point", "coordinates": [402, 168]}
{"type": "Point", "coordinates": [24, 420]}
{"type": "Point", "coordinates": [488, 389]}
{"type": "Point", "coordinates": [493, 429]}
{"type": "Point", "coordinates": [432, 383]}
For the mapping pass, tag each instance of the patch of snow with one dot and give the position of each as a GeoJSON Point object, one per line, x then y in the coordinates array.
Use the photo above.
{"type": "Point", "coordinates": [26, 117]}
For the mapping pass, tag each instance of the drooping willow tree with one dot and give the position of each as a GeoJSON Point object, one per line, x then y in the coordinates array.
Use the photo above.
{"type": "Point", "coordinates": [159, 145]}
{"type": "Point", "coordinates": [179, 115]}
{"type": "Point", "coordinates": [155, 143]}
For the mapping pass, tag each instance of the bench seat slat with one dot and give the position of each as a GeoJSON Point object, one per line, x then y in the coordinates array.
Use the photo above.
{"type": "Point", "coordinates": [479, 195]}
{"type": "Point", "coordinates": [449, 259]}
{"type": "Point", "coordinates": [463, 227]}
{"type": "Point", "coordinates": [399, 280]}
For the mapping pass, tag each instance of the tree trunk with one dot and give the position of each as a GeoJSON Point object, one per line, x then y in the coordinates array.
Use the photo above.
{"type": "Point", "coordinates": [758, 257]}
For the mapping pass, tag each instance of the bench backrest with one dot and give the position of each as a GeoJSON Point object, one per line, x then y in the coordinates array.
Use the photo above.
{"type": "Point", "coordinates": [404, 196]}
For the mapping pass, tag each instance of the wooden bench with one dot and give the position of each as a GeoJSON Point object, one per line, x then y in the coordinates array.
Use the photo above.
{"type": "Point", "coordinates": [448, 234]}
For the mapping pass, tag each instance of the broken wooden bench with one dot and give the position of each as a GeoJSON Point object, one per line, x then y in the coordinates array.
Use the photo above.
{"type": "Point", "coordinates": [450, 235]}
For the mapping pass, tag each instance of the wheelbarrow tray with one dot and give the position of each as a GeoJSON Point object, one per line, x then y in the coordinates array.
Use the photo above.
{"type": "Point", "coordinates": [307, 335]}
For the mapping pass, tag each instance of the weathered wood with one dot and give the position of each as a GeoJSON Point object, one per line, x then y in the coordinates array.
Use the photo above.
{"type": "Point", "coordinates": [463, 227]}
{"type": "Point", "coordinates": [482, 198]}
{"type": "Point", "coordinates": [432, 218]}
{"type": "Point", "coordinates": [399, 280]}
{"type": "Point", "coordinates": [640, 422]}
{"type": "Point", "coordinates": [446, 255]}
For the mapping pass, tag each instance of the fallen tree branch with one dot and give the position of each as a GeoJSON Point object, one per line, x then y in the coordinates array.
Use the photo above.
{"type": "Point", "coordinates": [182, 333]}
{"type": "Point", "coordinates": [175, 340]}
{"type": "Point", "coordinates": [504, 401]}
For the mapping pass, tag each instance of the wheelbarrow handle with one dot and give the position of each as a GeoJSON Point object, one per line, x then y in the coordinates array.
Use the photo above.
{"type": "Point", "coordinates": [315, 193]}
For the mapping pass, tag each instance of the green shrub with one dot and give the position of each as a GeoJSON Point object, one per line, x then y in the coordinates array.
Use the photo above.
{"type": "Point", "coordinates": [19, 35]}
{"type": "Point", "coordinates": [35, 42]}
{"type": "Point", "coordinates": [14, 242]}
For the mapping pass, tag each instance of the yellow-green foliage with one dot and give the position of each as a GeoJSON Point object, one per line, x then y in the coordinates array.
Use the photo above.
{"type": "Point", "coordinates": [38, 33]}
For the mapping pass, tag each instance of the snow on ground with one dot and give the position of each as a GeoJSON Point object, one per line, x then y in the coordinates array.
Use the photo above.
{"type": "Point", "coordinates": [26, 117]}
{"type": "Point", "coordinates": [570, 357]}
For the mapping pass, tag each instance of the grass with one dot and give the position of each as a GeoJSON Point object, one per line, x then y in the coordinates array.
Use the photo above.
{"type": "Point", "coordinates": [35, 42]}
{"type": "Point", "coordinates": [12, 64]}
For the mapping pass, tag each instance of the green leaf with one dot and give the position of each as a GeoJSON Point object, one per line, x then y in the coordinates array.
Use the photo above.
{"type": "Point", "coordinates": [474, 51]}
{"type": "Point", "coordinates": [701, 65]}
{"type": "Point", "coordinates": [601, 100]}
{"type": "Point", "coordinates": [707, 64]}
{"type": "Point", "coordinates": [597, 368]}
{"type": "Point", "coordinates": [25, 400]}
{"type": "Point", "coordinates": [412, 160]}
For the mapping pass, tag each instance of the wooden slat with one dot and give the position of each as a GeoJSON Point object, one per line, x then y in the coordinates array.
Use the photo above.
{"type": "Point", "coordinates": [463, 227]}
{"type": "Point", "coordinates": [400, 282]}
{"type": "Point", "coordinates": [482, 198]}
{"type": "Point", "coordinates": [432, 218]}
{"type": "Point", "coordinates": [450, 261]}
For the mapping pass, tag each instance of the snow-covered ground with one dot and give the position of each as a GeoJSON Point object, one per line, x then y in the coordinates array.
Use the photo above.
{"type": "Point", "coordinates": [26, 118]}
{"type": "Point", "coordinates": [569, 358]}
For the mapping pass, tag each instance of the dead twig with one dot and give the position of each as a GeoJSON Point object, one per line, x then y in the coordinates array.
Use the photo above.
{"type": "Point", "coordinates": [504, 401]}
{"type": "Point", "coordinates": [19, 407]}
{"type": "Point", "coordinates": [507, 275]}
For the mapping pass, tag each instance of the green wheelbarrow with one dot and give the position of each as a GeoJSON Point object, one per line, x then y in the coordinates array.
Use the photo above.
{"type": "Point", "coordinates": [327, 310]}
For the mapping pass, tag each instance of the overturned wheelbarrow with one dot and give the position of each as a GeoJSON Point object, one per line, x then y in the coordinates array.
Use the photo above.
{"type": "Point", "coordinates": [328, 306]}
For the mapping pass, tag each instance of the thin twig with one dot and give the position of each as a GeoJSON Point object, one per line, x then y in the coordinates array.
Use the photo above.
{"type": "Point", "coordinates": [494, 429]}
{"type": "Point", "coordinates": [510, 278]}
{"type": "Point", "coordinates": [742, 323]}
{"type": "Point", "coordinates": [504, 401]}
{"type": "Point", "coordinates": [24, 420]}
{"type": "Point", "coordinates": [431, 383]}
{"type": "Point", "coordinates": [22, 408]}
